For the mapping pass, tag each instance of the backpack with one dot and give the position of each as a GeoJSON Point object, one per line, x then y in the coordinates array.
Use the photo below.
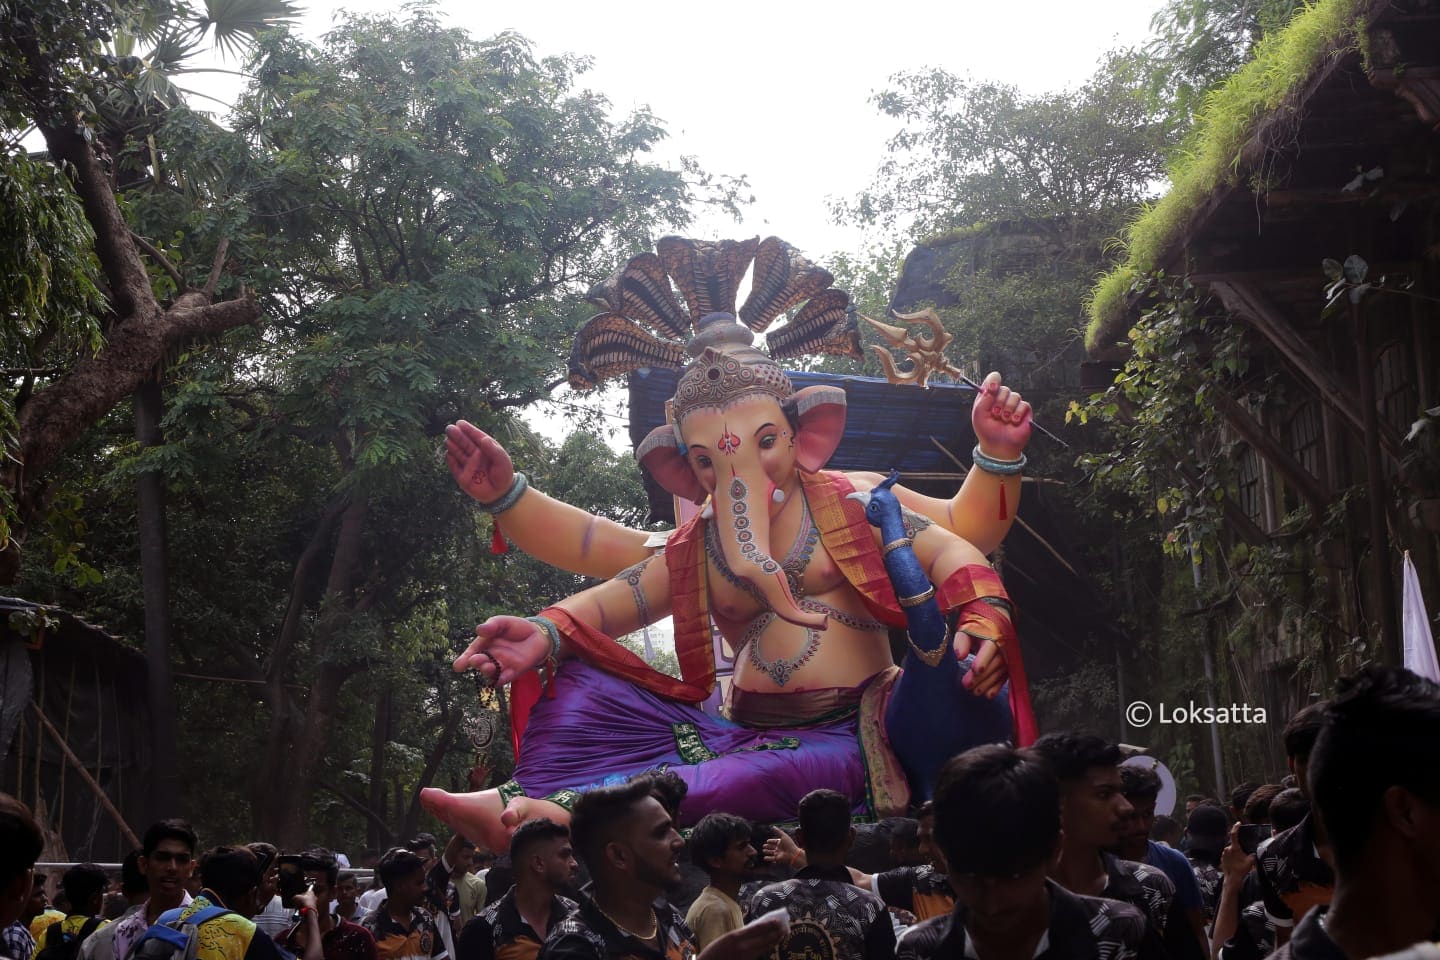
{"type": "Point", "coordinates": [170, 938]}
{"type": "Point", "coordinates": [57, 944]}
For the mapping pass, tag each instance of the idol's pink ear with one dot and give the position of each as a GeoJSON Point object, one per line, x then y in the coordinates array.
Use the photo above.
{"type": "Point", "coordinates": [660, 453]}
{"type": "Point", "coordinates": [820, 413]}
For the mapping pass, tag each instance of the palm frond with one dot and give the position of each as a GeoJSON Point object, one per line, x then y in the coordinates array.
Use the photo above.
{"type": "Point", "coordinates": [237, 22]}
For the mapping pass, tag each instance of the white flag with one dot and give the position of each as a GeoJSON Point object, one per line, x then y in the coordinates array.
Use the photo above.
{"type": "Point", "coordinates": [1419, 645]}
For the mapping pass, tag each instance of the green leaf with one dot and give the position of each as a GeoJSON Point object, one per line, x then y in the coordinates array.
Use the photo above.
{"type": "Point", "coordinates": [1334, 270]}
{"type": "Point", "coordinates": [1356, 268]}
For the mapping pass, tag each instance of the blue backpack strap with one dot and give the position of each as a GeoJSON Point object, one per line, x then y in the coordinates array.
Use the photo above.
{"type": "Point", "coordinates": [169, 916]}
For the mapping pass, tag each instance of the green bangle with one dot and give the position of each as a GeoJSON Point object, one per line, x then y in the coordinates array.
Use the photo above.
{"type": "Point", "coordinates": [1001, 468]}
{"type": "Point", "coordinates": [551, 631]}
{"type": "Point", "coordinates": [518, 486]}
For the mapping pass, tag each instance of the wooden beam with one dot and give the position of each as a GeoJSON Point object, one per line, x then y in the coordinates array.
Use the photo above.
{"type": "Point", "coordinates": [1267, 446]}
{"type": "Point", "coordinates": [1258, 239]}
{"type": "Point", "coordinates": [90, 781]}
{"type": "Point", "coordinates": [1249, 304]}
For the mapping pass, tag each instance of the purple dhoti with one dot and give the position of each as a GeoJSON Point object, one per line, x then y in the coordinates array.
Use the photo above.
{"type": "Point", "coordinates": [600, 729]}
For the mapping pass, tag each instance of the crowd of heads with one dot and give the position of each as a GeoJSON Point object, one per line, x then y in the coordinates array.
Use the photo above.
{"type": "Point", "coordinates": [1000, 821]}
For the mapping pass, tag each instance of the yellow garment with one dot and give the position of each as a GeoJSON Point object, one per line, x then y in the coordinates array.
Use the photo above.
{"type": "Point", "coordinates": [712, 915]}
{"type": "Point", "coordinates": [470, 890]}
{"type": "Point", "coordinates": [42, 921]}
{"type": "Point", "coordinates": [72, 924]}
{"type": "Point", "coordinates": [225, 937]}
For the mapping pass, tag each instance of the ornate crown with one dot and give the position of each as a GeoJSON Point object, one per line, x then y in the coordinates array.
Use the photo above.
{"type": "Point", "coordinates": [644, 325]}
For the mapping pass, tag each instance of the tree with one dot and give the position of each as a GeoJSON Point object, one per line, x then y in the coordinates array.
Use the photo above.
{"type": "Point", "coordinates": [1196, 44]}
{"type": "Point", "coordinates": [973, 152]}
{"type": "Point", "coordinates": [85, 357]}
{"type": "Point", "coordinates": [94, 110]}
{"type": "Point", "coordinates": [1020, 196]}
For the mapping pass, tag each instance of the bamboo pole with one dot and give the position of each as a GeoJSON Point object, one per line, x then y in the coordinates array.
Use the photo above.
{"type": "Point", "coordinates": [90, 781]}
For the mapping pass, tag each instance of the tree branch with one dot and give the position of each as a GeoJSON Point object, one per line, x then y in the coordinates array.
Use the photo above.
{"type": "Point", "coordinates": [161, 261]}
{"type": "Point", "coordinates": [290, 627]}
{"type": "Point", "coordinates": [215, 268]}
{"type": "Point", "coordinates": [192, 317]}
{"type": "Point", "coordinates": [357, 805]}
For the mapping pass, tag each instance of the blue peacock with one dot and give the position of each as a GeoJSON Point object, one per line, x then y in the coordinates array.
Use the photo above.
{"type": "Point", "coordinates": [955, 718]}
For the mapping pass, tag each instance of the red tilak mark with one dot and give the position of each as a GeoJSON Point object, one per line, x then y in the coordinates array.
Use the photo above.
{"type": "Point", "coordinates": [1004, 510]}
{"type": "Point", "coordinates": [729, 443]}
{"type": "Point", "coordinates": [497, 541]}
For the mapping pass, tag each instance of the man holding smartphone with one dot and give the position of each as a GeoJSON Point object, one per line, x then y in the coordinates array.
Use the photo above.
{"type": "Point", "coordinates": [1293, 877]}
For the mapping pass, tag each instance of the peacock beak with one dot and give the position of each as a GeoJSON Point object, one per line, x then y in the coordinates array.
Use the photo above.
{"type": "Point", "coordinates": [861, 496]}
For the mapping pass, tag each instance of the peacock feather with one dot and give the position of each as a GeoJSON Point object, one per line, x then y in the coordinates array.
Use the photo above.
{"type": "Point", "coordinates": [652, 305]}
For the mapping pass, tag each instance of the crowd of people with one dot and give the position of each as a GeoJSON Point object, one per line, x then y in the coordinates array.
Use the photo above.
{"type": "Point", "coordinates": [1052, 852]}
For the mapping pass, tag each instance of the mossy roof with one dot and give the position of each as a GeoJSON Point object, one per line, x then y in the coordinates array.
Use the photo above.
{"type": "Point", "coordinates": [1239, 112]}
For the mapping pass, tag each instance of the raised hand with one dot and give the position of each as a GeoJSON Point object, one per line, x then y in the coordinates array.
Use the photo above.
{"type": "Point", "coordinates": [780, 848]}
{"type": "Point", "coordinates": [1235, 863]}
{"type": "Point", "coordinates": [478, 463]}
{"type": "Point", "coordinates": [1001, 418]}
{"type": "Point", "coordinates": [503, 649]}
{"type": "Point", "coordinates": [988, 671]}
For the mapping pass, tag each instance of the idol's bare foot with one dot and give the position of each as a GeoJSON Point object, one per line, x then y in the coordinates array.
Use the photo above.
{"type": "Point", "coordinates": [481, 817]}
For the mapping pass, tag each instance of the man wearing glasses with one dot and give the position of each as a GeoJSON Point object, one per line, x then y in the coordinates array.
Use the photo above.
{"type": "Point", "coordinates": [167, 857]}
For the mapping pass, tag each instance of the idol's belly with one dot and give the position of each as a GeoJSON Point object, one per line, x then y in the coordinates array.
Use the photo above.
{"type": "Point", "coordinates": [776, 656]}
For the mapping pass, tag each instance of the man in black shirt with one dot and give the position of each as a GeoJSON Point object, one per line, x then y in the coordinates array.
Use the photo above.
{"type": "Point", "coordinates": [922, 890]}
{"type": "Point", "coordinates": [1292, 876]}
{"type": "Point", "coordinates": [1094, 811]}
{"type": "Point", "coordinates": [1374, 779]}
{"type": "Point", "coordinates": [829, 916]}
{"type": "Point", "coordinates": [997, 823]}
{"type": "Point", "coordinates": [631, 848]}
{"type": "Point", "coordinates": [515, 926]}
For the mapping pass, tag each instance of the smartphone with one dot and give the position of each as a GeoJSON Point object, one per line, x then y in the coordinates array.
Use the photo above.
{"type": "Point", "coordinates": [292, 880]}
{"type": "Point", "coordinates": [1251, 835]}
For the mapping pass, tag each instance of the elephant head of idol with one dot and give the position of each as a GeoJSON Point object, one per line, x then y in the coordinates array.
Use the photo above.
{"type": "Point", "coordinates": [739, 430]}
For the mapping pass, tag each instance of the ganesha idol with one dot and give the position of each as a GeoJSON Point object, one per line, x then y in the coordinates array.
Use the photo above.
{"type": "Point", "coordinates": [780, 558]}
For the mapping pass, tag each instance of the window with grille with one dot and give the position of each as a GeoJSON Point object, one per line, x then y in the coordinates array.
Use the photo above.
{"type": "Point", "coordinates": [1248, 482]}
{"type": "Point", "coordinates": [1304, 433]}
{"type": "Point", "coordinates": [1395, 386]}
